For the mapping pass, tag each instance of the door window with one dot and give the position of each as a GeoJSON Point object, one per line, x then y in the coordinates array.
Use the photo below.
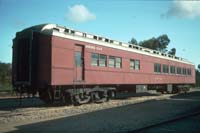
{"type": "Point", "coordinates": [78, 59]}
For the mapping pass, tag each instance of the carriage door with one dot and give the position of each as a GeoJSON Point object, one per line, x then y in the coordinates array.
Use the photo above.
{"type": "Point", "coordinates": [79, 63]}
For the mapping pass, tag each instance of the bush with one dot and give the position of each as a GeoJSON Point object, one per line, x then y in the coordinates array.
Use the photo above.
{"type": "Point", "coordinates": [5, 76]}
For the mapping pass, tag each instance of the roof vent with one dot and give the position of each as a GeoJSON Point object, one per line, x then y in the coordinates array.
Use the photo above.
{"type": "Point", "coordinates": [72, 31]}
{"type": "Point", "coordinates": [100, 38]}
{"type": "Point", "coordinates": [95, 37]}
{"type": "Point", "coordinates": [56, 29]}
{"type": "Point", "coordinates": [106, 40]}
{"type": "Point", "coordinates": [66, 30]}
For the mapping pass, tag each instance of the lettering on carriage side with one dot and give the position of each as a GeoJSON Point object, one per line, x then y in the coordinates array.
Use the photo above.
{"type": "Point", "coordinates": [158, 79]}
{"type": "Point", "coordinates": [93, 47]}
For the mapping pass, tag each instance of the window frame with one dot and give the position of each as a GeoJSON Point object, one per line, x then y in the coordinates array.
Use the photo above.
{"type": "Point", "coordinates": [137, 64]}
{"type": "Point", "coordinates": [92, 61]}
{"type": "Point", "coordinates": [156, 66]}
{"type": "Point", "coordinates": [172, 69]}
{"type": "Point", "coordinates": [165, 69]}
{"type": "Point", "coordinates": [178, 70]}
{"type": "Point", "coordinates": [109, 62]}
{"type": "Point", "coordinates": [132, 67]}
{"type": "Point", "coordinates": [184, 71]}
{"type": "Point", "coordinates": [189, 71]}
{"type": "Point", "coordinates": [118, 63]}
{"type": "Point", "coordinates": [78, 61]}
{"type": "Point", "coordinates": [134, 64]}
{"type": "Point", "coordinates": [104, 60]}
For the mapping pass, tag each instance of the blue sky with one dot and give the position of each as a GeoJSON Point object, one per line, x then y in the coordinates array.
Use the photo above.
{"type": "Point", "coordinates": [116, 19]}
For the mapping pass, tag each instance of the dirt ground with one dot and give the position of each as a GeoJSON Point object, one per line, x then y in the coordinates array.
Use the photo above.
{"type": "Point", "coordinates": [119, 114]}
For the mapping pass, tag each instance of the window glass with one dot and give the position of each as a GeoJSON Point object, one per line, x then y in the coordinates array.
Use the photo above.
{"type": "Point", "coordinates": [165, 69]}
{"type": "Point", "coordinates": [132, 64]}
{"type": "Point", "coordinates": [189, 71]}
{"type": "Point", "coordinates": [184, 71]}
{"type": "Point", "coordinates": [94, 59]}
{"type": "Point", "coordinates": [172, 69]}
{"type": "Point", "coordinates": [137, 65]}
{"type": "Point", "coordinates": [178, 70]}
{"type": "Point", "coordinates": [78, 59]}
{"type": "Point", "coordinates": [111, 61]}
{"type": "Point", "coordinates": [118, 62]}
{"type": "Point", "coordinates": [102, 60]}
{"type": "Point", "coordinates": [157, 67]}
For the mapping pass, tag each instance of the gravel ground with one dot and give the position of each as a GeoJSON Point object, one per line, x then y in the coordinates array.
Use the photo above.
{"type": "Point", "coordinates": [39, 114]}
{"type": "Point", "coordinates": [124, 118]}
{"type": "Point", "coordinates": [42, 113]}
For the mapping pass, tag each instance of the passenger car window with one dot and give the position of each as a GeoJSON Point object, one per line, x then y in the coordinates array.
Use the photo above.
{"type": "Point", "coordinates": [137, 65]}
{"type": "Point", "coordinates": [102, 60]}
{"type": "Point", "coordinates": [118, 62]}
{"type": "Point", "coordinates": [111, 61]}
{"type": "Point", "coordinates": [157, 67]}
{"type": "Point", "coordinates": [178, 70]}
{"type": "Point", "coordinates": [132, 64]}
{"type": "Point", "coordinates": [165, 69]}
{"type": "Point", "coordinates": [172, 69]}
{"type": "Point", "coordinates": [78, 58]}
{"type": "Point", "coordinates": [94, 59]}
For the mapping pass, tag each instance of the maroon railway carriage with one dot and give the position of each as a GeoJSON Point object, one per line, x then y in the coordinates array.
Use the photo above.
{"type": "Point", "coordinates": [67, 65]}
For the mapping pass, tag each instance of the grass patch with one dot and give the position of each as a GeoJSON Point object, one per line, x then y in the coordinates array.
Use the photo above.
{"type": "Point", "coordinates": [6, 88]}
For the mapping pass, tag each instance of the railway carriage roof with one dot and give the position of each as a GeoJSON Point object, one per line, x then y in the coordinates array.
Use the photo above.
{"type": "Point", "coordinates": [65, 32]}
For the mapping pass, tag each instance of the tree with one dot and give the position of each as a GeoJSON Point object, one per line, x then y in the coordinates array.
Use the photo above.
{"type": "Point", "coordinates": [151, 43]}
{"type": "Point", "coordinates": [133, 41]}
{"type": "Point", "coordinates": [172, 51]}
{"type": "Point", "coordinates": [197, 78]}
{"type": "Point", "coordinates": [160, 43]}
{"type": "Point", "coordinates": [5, 73]}
{"type": "Point", "coordinates": [163, 42]}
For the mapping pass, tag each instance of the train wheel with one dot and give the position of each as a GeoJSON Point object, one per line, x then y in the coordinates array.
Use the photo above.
{"type": "Point", "coordinates": [45, 95]}
{"type": "Point", "coordinates": [103, 95]}
{"type": "Point", "coordinates": [81, 99]}
{"type": "Point", "coordinates": [68, 99]}
{"type": "Point", "coordinates": [76, 100]}
{"type": "Point", "coordinates": [111, 94]}
{"type": "Point", "coordinates": [99, 96]}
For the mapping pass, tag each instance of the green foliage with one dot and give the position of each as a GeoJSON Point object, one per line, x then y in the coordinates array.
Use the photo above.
{"type": "Point", "coordinates": [152, 43]}
{"type": "Point", "coordinates": [160, 43]}
{"type": "Point", "coordinates": [133, 41]}
{"type": "Point", "coordinates": [5, 74]}
{"type": "Point", "coordinates": [197, 78]}
{"type": "Point", "coordinates": [172, 51]}
{"type": "Point", "coordinates": [163, 42]}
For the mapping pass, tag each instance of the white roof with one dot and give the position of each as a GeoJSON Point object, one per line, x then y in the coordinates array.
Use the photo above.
{"type": "Point", "coordinates": [103, 41]}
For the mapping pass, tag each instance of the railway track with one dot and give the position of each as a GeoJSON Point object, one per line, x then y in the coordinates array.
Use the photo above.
{"type": "Point", "coordinates": [34, 108]}
{"type": "Point", "coordinates": [136, 116]}
{"type": "Point", "coordinates": [42, 111]}
{"type": "Point", "coordinates": [173, 120]}
{"type": "Point", "coordinates": [16, 103]}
